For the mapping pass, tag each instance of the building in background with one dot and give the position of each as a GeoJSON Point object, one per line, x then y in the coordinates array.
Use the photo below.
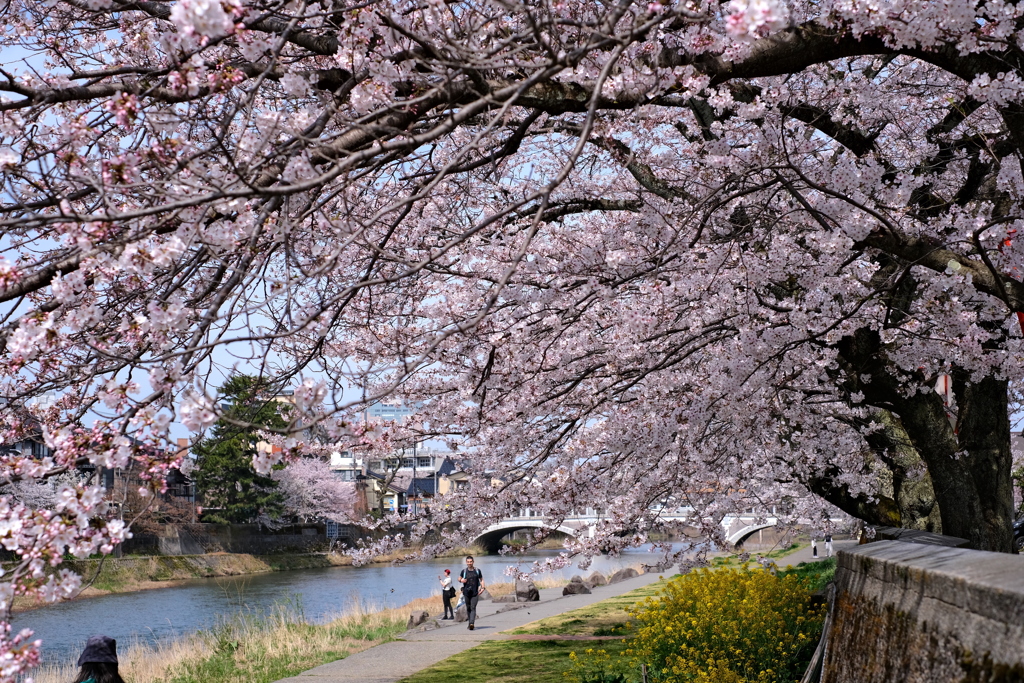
{"type": "Point", "coordinates": [387, 411]}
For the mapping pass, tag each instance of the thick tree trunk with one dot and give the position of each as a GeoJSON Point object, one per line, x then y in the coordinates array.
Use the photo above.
{"type": "Point", "coordinates": [984, 435]}
{"type": "Point", "coordinates": [970, 466]}
{"type": "Point", "coordinates": [903, 475]}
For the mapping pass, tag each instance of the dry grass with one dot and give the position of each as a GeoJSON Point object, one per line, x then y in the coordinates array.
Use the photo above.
{"type": "Point", "coordinates": [139, 661]}
{"type": "Point", "coordinates": [254, 648]}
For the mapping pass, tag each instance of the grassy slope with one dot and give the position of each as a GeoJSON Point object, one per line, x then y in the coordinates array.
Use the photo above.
{"type": "Point", "coordinates": [821, 572]}
{"type": "Point", "coordinates": [505, 661]}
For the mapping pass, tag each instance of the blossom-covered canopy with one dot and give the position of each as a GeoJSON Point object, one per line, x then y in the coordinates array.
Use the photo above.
{"type": "Point", "coordinates": [632, 256]}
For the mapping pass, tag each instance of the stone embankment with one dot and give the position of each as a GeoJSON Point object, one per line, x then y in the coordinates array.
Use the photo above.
{"type": "Point", "coordinates": [923, 613]}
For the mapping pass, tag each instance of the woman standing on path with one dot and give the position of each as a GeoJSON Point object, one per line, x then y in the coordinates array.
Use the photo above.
{"type": "Point", "coordinates": [447, 593]}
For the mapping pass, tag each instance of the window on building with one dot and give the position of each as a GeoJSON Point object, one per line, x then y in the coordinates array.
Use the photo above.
{"type": "Point", "coordinates": [423, 462]}
{"type": "Point", "coordinates": [408, 462]}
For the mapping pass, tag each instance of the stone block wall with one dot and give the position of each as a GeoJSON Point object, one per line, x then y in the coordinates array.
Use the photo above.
{"type": "Point", "coordinates": [913, 613]}
{"type": "Point", "coordinates": [253, 539]}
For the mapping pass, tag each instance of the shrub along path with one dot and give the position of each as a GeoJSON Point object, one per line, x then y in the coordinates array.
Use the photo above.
{"type": "Point", "coordinates": [398, 659]}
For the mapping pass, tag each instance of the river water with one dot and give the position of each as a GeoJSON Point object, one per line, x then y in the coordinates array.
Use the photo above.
{"type": "Point", "coordinates": [193, 605]}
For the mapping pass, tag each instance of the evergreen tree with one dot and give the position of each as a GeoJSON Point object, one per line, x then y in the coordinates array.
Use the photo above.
{"type": "Point", "coordinates": [231, 490]}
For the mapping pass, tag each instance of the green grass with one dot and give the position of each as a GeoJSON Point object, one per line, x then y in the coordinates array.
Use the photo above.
{"type": "Point", "coordinates": [734, 561]}
{"type": "Point", "coordinates": [821, 572]}
{"type": "Point", "coordinates": [510, 661]}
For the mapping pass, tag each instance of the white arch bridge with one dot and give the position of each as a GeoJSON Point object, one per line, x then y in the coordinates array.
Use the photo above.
{"type": "Point", "coordinates": [736, 527]}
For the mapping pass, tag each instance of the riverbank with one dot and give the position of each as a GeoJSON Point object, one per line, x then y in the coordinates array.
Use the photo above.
{"type": "Point", "coordinates": [261, 647]}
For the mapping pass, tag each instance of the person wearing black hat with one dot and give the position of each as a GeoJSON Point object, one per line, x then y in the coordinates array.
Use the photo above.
{"type": "Point", "coordinates": [98, 661]}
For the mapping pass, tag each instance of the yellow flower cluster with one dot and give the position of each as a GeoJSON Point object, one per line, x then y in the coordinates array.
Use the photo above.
{"type": "Point", "coordinates": [715, 626]}
{"type": "Point", "coordinates": [727, 625]}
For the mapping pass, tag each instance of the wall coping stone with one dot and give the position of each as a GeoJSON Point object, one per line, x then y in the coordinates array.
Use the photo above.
{"type": "Point", "coordinates": [984, 583]}
{"type": "Point", "coordinates": [891, 533]}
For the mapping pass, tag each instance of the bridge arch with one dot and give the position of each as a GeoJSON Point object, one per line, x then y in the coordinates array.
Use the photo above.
{"type": "Point", "coordinates": [736, 538]}
{"type": "Point", "coordinates": [490, 538]}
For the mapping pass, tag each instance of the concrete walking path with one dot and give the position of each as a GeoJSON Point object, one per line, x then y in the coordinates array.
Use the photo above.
{"type": "Point", "coordinates": [804, 554]}
{"type": "Point", "coordinates": [391, 662]}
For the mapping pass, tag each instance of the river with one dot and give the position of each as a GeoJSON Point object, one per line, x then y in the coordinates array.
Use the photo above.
{"type": "Point", "coordinates": [193, 605]}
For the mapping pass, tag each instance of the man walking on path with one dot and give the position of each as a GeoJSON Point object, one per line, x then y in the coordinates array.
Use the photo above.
{"type": "Point", "coordinates": [828, 543]}
{"type": "Point", "coordinates": [472, 580]}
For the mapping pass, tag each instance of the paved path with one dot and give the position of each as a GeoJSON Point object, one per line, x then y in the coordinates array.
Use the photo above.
{"type": "Point", "coordinates": [398, 659]}
{"type": "Point", "coordinates": [804, 554]}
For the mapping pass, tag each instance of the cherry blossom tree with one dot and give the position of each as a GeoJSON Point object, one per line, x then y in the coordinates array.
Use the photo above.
{"type": "Point", "coordinates": [628, 255]}
{"type": "Point", "coordinates": [313, 492]}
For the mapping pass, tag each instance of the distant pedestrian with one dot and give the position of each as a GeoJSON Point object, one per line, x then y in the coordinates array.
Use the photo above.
{"type": "Point", "coordinates": [814, 548]}
{"type": "Point", "coordinates": [828, 544]}
{"type": "Point", "coordinates": [98, 661]}
{"type": "Point", "coordinates": [447, 593]}
{"type": "Point", "coordinates": [472, 580]}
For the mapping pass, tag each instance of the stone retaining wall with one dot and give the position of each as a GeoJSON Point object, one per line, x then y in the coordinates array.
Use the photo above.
{"type": "Point", "coordinates": [126, 573]}
{"type": "Point", "coordinates": [198, 539]}
{"type": "Point", "coordinates": [912, 613]}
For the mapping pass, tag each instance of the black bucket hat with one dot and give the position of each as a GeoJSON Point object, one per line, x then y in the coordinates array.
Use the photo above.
{"type": "Point", "coordinates": [99, 650]}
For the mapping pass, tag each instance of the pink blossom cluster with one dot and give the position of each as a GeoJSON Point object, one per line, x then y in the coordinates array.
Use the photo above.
{"type": "Point", "coordinates": [750, 19]}
{"type": "Point", "coordinates": [205, 18]}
